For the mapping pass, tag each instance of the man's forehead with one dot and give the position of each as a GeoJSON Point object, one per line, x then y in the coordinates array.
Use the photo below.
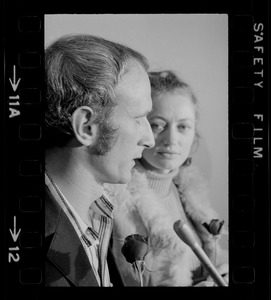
{"type": "Point", "coordinates": [134, 84]}
{"type": "Point", "coordinates": [134, 74]}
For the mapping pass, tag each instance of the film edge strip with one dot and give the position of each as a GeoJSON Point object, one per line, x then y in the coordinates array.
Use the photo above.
{"type": "Point", "coordinates": [246, 132]}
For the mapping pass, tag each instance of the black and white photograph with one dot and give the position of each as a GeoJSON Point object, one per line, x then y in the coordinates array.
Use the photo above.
{"type": "Point", "coordinates": [136, 150]}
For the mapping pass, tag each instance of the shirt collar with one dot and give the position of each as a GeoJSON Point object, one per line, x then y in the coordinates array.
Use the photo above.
{"type": "Point", "coordinates": [89, 233]}
{"type": "Point", "coordinates": [103, 207]}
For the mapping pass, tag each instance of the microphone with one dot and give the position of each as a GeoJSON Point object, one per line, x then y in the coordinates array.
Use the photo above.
{"type": "Point", "coordinates": [186, 235]}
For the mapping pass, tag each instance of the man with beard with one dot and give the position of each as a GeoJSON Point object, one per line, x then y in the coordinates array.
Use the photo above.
{"type": "Point", "coordinates": [97, 99]}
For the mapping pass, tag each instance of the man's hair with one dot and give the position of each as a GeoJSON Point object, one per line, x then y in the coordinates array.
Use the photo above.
{"type": "Point", "coordinates": [83, 70]}
{"type": "Point", "coordinates": [166, 82]}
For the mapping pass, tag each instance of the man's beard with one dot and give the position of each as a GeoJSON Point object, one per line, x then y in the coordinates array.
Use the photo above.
{"type": "Point", "coordinates": [107, 138]}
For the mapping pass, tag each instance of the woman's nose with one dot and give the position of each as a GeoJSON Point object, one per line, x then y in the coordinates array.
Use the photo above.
{"type": "Point", "coordinates": [170, 137]}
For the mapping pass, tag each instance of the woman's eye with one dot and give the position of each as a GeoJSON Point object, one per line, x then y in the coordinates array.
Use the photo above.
{"type": "Point", "coordinates": [183, 127]}
{"type": "Point", "coordinates": [157, 127]}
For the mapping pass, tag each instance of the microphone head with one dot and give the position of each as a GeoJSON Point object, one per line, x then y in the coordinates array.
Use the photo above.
{"type": "Point", "coordinates": [178, 224]}
{"type": "Point", "coordinates": [184, 232]}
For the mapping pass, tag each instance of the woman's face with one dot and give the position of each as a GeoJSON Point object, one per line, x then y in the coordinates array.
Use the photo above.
{"type": "Point", "coordinates": [173, 122]}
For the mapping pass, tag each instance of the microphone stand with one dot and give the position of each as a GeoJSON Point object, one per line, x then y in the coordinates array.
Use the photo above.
{"type": "Point", "coordinates": [186, 235]}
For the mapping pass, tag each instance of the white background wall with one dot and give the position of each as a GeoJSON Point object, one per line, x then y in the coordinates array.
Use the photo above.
{"type": "Point", "coordinates": [193, 45]}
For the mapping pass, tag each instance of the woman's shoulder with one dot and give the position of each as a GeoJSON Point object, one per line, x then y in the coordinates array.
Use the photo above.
{"type": "Point", "coordinates": [191, 177]}
{"type": "Point", "coordinates": [194, 193]}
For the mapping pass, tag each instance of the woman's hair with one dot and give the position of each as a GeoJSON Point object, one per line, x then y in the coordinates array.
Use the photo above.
{"type": "Point", "coordinates": [167, 81]}
{"type": "Point", "coordinates": [83, 70]}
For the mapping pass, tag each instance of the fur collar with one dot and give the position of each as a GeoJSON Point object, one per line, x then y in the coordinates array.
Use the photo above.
{"type": "Point", "coordinates": [136, 210]}
{"type": "Point", "coordinates": [192, 188]}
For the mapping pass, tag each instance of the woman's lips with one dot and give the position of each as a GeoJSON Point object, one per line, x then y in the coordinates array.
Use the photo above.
{"type": "Point", "coordinates": [169, 155]}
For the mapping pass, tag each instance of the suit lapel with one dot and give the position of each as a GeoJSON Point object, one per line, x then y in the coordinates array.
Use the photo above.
{"type": "Point", "coordinates": [67, 253]}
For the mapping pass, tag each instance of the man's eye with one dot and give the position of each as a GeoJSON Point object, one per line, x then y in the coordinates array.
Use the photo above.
{"type": "Point", "coordinates": [140, 120]}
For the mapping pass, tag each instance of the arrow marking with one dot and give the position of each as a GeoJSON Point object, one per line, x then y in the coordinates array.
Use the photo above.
{"type": "Point", "coordinates": [13, 233]}
{"type": "Point", "coordinates": [13, 83]}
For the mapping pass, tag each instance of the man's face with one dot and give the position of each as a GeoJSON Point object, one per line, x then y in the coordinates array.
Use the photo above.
{"type": "Point", "coordinates": [134, 133]}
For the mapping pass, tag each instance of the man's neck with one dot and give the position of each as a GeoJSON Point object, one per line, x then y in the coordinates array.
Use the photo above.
{"type": "Point", "coordinates": [73, 177]}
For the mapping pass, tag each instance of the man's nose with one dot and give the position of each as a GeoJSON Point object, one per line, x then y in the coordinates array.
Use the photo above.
{"type": "Point", "coordinates": [148, 138]}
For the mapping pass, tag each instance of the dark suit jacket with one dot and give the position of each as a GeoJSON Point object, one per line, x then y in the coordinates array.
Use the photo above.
{"type": "Point", "coordinates": [66, 263]}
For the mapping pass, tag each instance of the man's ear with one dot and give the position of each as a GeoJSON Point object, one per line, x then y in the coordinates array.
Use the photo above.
{"type": "Point", "coordinates": [82, 122]}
